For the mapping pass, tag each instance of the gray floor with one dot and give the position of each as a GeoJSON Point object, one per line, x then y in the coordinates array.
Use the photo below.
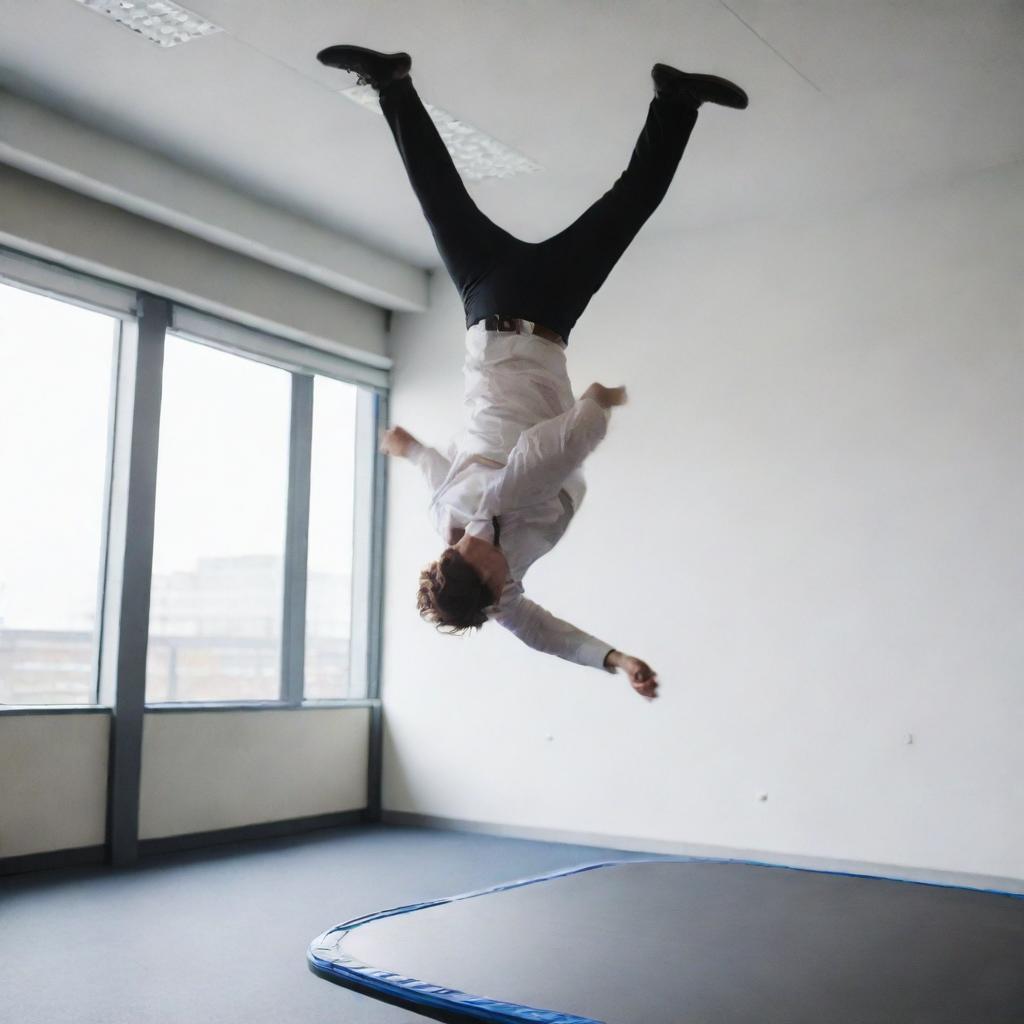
{"type": "Point", "coordinates": [220, 937]}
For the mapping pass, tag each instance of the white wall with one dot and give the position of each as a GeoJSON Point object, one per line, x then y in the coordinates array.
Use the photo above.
{"type": "Point", "coordinates": [203, 771]}
{"type": "Point", "coordinates": [53, 782]}
{"type": "Point", "coordinates": [808, 519]}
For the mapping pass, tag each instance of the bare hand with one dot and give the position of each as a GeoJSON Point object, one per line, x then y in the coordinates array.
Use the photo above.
{"type": "Point", "coordinates": [642, 677]}
{"type": "Point", "coordinates": [396, 441]}
{"type": "Point", "coordinates": [606, 397]}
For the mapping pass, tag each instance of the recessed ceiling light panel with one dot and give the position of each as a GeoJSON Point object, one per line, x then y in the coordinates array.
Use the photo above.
{"type": "Point", "coordinates": [159, 21]}
{"type": "Point", "coordinates": [476, 154]}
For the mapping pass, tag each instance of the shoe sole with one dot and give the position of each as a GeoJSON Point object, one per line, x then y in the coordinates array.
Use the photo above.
{"type": "Point", "coordinates": [712, 88]}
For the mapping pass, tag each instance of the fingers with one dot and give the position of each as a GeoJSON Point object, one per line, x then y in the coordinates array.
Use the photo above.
{"type": "Point", "coordinates": [645, 682]}
{"type": "Point", "coordinates": [604, 396]}
{"type": "Point", "coordinates": [641, 676]}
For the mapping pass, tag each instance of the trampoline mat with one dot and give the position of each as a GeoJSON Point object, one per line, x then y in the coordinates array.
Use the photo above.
{"type": "Point", "coordinates": [694, 942]}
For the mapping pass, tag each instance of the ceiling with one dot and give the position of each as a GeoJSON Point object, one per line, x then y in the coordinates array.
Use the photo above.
{"type": "Point", "coordinates": [848, 99]}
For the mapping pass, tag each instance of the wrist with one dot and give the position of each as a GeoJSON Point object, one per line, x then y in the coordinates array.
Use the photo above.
{"type": "Point", "coordinates": [613, 659]}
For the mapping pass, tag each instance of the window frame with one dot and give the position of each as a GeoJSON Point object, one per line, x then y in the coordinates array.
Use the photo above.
{"type": "Point", "coordinates": [146, 320]}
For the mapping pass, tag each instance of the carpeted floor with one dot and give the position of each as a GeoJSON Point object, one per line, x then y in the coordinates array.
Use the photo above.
{"type": "Point", "coordinates": [220, 937]}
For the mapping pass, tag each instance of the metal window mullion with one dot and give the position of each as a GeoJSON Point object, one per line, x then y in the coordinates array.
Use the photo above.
{"type": "Point", "coordinates": [129, 566]}
{"type": "Point", "coordinates": [363, 655]}
{"type": "Point", "coordinates": [371, 510]}
{"type": "Point", "coordinates": [376, 580]}
{"type": "Point", "coordinates": [296, 546]}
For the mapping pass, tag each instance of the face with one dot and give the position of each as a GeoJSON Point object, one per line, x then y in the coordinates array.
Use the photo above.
{"type": "Point", "coordinates": [488, 561]}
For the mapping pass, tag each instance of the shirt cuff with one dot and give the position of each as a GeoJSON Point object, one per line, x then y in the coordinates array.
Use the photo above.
{"type": "Point", "coordinates": [414, 451]}
{"type": "Point", "coordinates": [586, 401]}
{"type": "Point", "coordinates": [592, 652]}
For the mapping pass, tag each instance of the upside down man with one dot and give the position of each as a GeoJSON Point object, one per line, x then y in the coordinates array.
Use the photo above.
{"type": "Point", "coordinates": [508, 487]}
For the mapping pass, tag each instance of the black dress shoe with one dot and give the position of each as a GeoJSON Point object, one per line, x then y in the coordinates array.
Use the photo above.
{"type": "Point", "coordinates": [696, 89]}
{"type": "Point", "coordinates": [372, 68]}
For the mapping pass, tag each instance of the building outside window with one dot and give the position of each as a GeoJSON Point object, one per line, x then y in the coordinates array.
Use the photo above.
{"type": "Point", "coordinates": [56, 372]}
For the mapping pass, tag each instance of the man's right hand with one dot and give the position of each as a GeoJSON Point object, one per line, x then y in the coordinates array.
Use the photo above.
{"type": "Point", "coordinates": [396, 441]}
{"type": "Point", "coordinates": [606, 397]}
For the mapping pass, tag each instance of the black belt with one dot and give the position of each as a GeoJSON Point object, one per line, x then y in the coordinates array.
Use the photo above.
{"type": "Point", "coordinates": [516, 325]}
{"type": "Point", "coordinates": [497, 529]}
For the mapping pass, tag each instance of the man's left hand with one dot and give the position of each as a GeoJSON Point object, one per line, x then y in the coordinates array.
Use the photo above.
{"type": "Point", "coordinates": [642, 677]}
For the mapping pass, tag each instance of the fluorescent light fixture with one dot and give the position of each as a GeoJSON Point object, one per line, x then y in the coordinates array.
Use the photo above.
{"type": "Point", "coordinates": [476, 154]}
{"type": "Point", "coordinates": [159, 21]}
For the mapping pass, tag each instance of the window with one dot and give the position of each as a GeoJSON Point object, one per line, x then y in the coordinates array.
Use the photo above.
{"type": "Point", "coordinates": [218, 546]}
{"type": "Point", "coordinates": [329, 571]}
{"type": "Point", "coordinates": [56, 369]}
{"type": "Point", "coordinates": [262, 582]}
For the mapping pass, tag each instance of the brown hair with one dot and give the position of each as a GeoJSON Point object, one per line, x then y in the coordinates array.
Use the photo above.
{"type": "Point", "coordinates": [452, 595]}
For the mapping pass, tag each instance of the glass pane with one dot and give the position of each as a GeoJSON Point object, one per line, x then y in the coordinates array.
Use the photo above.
{"type": "Point", "coordinates": [218, 549]}
{"type": "Point", "coordinates": [56, 364]}
{"type": "Point", "coordinates": [329, 580]}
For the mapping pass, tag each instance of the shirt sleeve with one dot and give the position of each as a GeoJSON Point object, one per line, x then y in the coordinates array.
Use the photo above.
{"type": "Point", "coordinates": [539, 629]}
{"type": "Point", "coordinates": [548, 452]}
{"type": "Point", "coordinates": [431, 462]}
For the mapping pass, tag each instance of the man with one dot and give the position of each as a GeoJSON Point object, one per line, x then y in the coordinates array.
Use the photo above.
{"type": "Point", "coordinates": [509, 488]}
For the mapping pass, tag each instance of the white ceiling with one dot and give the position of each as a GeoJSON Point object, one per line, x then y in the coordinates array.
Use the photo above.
{"type": "Point", "coordinates": [848, 99]}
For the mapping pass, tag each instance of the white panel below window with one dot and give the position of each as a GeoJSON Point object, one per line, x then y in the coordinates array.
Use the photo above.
{"type": "Point", "coordinates": [54, 790]}
{"type": "Point", "coordinates": [203, 771]}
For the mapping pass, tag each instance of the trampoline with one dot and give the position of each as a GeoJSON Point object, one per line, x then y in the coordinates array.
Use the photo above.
{"type": "Point", "coordinates": [690, 941]}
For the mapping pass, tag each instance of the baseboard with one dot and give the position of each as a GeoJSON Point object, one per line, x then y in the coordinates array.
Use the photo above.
{"type": "Point", "coordinates": [78, 857]}
{"type": "Point", "coordinates": [247, 833]}
{"type": "Point", "coordinates": [90, 856]}
{"type": "Point", "coordinates": [633, 844]}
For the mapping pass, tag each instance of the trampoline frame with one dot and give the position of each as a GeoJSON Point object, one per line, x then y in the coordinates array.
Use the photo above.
{"type": "Point", "coordinates": [452, 1005]}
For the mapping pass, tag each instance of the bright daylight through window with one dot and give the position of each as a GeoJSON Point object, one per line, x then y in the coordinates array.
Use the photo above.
{"type": "Point", "coordinates": [227, 435]}
{"type": "Point", "coordinates": [218, 548]}
{"type": "Point", "coordinates": [331, 505]}
{"type": "Point", "coordinates": [56, 367]}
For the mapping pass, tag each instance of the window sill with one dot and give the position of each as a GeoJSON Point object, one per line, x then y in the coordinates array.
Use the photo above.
{"type": "Point", "coordinates": [54, 709]}
{"type": "Point", "coordinates": [262, 705]}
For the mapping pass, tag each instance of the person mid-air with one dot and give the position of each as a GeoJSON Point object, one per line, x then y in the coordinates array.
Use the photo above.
{"type": "Point", "coordinates": [510, 484]}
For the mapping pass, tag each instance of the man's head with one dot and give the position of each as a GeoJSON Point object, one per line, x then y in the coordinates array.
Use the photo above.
{"type": "Point", "coordinates": [453, 594]}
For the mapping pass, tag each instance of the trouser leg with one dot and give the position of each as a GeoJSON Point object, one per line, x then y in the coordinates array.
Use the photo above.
{"type": "Point", "coordinates": [465, 237]}
{"type": "Point", "coordinates": [593, 244]}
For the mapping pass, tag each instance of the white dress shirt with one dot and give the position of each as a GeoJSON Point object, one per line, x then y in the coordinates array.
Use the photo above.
{"type": "Point", "coordinates": [518, 457]}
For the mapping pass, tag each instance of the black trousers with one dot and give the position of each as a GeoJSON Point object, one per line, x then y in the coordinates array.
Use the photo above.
{"type": "Point", "coordinates": [548, 282]}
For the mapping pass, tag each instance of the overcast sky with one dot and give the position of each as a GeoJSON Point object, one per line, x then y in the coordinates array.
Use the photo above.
{"type": "Point", "coordinates": [222, 475]}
